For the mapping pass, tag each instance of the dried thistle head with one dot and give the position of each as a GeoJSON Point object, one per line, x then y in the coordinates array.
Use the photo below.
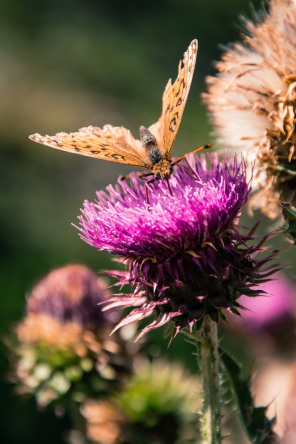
{"type": "Point", "coordinates": [253, 102]}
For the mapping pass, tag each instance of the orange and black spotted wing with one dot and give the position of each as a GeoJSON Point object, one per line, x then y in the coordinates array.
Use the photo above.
{"type": "Point", "coordinates": [174, 101]}
{"type": "Point", "coordinates": [115, 144]}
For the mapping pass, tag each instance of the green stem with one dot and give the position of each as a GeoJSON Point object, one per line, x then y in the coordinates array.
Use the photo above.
{"type": "Point", "coordinates": [209, 362]}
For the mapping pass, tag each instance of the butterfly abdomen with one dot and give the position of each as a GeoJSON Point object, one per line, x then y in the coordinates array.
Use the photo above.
{"type": "Point", "coordinates": [160, 166]}
{"type": "Point", "coordinates": [150, 144]}
{"type": "Point", "coordinates": [154, 154]}
{"type": "Point", "coordinates": [146, 137]}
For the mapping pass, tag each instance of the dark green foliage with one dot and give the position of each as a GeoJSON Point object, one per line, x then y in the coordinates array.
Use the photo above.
{"type": "Point", "coordinates": [257, 425]}
{"type": "Point", "coordinates": [289, 213]}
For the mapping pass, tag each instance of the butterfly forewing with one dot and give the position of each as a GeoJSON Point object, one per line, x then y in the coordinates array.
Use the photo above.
{"type": "Point", "coordinates": [111, 143]}
{"type": "Point", "coordinates": [174, 101]}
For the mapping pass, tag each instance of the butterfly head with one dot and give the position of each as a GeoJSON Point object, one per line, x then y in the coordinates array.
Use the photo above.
{"type": "Point", "coordinates": [163, 169]}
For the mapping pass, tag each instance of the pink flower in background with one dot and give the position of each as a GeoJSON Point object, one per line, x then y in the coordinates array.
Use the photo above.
{"type": "Point", "coordinates": [71, 294]}
{"type": "Point", "coordinates": [276, 305]}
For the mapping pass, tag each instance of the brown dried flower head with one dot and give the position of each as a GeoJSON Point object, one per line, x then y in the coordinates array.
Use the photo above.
{"type": "Point", "coordinates": [253, 102]}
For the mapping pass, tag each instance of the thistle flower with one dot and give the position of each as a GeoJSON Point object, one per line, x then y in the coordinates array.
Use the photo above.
{"type": "Point", "coordinates": [62, 350]}
{"type": "Point", "coordinates": [185, 255]}
{"type": "Point", "coordinates": [159, 405]}
{"type": "Point", "coordinates": [252, 101]}
{"type": "Point", "coordinates": [71, 294]}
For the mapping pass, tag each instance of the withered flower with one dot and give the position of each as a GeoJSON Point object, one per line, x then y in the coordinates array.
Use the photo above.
{"type": "Point", "coordinates": [252, 101]}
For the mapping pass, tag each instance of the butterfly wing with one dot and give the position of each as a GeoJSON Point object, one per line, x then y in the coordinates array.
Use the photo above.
{"type": "Point", "coordinates": [115, 144]}
{"type": "Point", "coordinates": [174, 101]}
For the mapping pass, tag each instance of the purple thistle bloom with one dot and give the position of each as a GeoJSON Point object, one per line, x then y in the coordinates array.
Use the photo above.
{"type": "Point", "coordinates": [71, 294]}
{"type": "Point", "coordinates": [185, 255]}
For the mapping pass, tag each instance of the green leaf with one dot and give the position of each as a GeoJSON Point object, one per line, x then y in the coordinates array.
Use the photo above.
{"type": "Point", "coordinates": [289, 213]}
{"type": "Point", "coordinates": [257, 425]}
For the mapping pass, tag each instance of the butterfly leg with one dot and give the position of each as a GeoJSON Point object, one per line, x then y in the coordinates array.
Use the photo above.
{"type": "Point", "coordinates": [184, 169]}
{"type": "Point", "coordinates": [147, 194]}
{"type": "Point", "coordinates": [155, 179]}
{"type": "Point", "coordinates": [143, 177]}
{"type": "Point", "coordinates": [181, 166]}
{"type": "Point", "coordinates": [121, 178]}
{"type": "Point", "coordinates": [169, 187]}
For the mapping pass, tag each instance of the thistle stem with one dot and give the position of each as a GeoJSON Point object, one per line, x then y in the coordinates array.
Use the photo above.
{"type": "Point", "coordinates": [209, 362]}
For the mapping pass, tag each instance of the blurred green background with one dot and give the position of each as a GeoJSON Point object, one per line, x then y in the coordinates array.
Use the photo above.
{"type": "Point", "coordinates": [66, 64]}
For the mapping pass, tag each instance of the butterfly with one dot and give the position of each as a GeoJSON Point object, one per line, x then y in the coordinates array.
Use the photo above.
{"type": "Point", "coordinates": [117, 144]}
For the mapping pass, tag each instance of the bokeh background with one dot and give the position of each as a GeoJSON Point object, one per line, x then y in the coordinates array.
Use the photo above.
{"type": "Point", "coordinates": [66, 64]}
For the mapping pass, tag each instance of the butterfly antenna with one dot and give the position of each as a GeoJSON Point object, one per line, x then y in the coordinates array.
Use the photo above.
{"type": "Point", "coordinates": [208, 145]}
